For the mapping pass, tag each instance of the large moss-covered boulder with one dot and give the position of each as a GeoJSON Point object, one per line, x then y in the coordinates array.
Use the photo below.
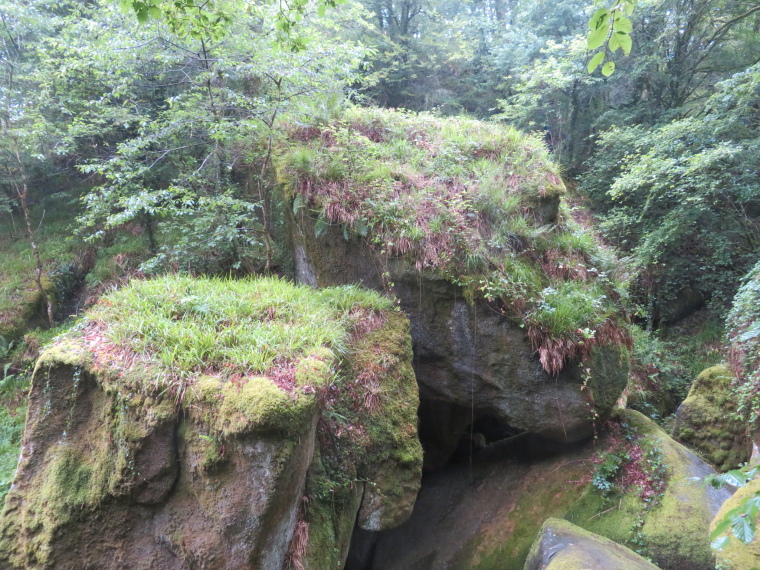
{"type": "Point", "coordinates": [633, 485]}
{"type": "Point", "coordinates": [216, 424]}
{"type": "Point", "coordinates": [706, 421]}
{"type": "Point", "coordinates": [462, 221]}
{"type": "Point", "coordinates": [735, 555]}
{"type": "Point", "coordinates": [562, 545]}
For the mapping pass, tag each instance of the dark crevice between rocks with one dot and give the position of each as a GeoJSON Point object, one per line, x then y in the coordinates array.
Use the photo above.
{"type": "Point", "coordinates": [452, 436]}
{"type": "Point", "coordinates": [454, 433]}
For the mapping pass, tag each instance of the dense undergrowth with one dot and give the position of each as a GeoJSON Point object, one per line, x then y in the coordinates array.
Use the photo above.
{"type": "Point", "coordinates": [743, 324]}
{"type": "Point", "coordinates": [474, 202]}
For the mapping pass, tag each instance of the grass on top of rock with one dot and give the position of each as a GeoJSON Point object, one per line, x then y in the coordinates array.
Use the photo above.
{"type": "Point", "coordinates": [475, 202]}
{"type": "Point", "coordinates": [175, 329]}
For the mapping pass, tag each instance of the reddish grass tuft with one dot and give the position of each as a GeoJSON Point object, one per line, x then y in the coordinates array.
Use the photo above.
{"type": "Point", "coordinates": [555, 353]}
{"type": "Point", "coordinates": [300, 540]}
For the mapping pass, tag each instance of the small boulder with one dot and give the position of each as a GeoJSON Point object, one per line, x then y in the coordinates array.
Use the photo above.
{"type": "Point", "coordinates": [563, 546]}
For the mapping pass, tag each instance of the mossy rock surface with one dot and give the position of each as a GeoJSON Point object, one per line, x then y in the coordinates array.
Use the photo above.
{"type": "Point", "coordinates": [705, 421]}
{"type": "Point", "coordinates": [736, 555]}
{"type": "Point", "coordinates": [564, 546]}
{"type": "Point", "coordinates": [486, 515]}
{"type": "Point", "coordinates": [133, 460]}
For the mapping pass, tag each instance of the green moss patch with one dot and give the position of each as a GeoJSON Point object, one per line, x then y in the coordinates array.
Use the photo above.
{"type": "Point", "coordinates": [475, 202]}
{"type": "Point", "coordinates": [706, 421]}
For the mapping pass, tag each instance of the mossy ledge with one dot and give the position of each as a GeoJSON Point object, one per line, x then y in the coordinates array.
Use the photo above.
{"type": "Point", "coordinates": [146, 421]}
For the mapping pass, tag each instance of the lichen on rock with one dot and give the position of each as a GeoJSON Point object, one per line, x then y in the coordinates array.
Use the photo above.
{"type": "Point", "coordinates": [177, 426]}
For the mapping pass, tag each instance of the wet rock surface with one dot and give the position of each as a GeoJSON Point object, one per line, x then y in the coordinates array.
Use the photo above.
{"type": "Point", "coordinates": [465, 354]}
{"type": "Point", "coordinates": [485, 514]}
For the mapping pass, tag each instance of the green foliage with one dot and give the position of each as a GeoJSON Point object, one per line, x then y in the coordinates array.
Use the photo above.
{"type": "Point", "coordinates": [683, 199]}
{"type": "Point", "coordinates": [743, 334]}
{"type": "Point", "coordinates": [742, 519]}
{"type": "Point", "coordinates": [212, 19]}
{"type": "Point", "coordinates": [610, 28]}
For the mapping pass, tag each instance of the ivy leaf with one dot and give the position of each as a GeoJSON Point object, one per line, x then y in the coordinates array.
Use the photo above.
{"type": "Point", "coordinates": [595, 62]}
{"type": "Point", "coordinates": [608, 68]}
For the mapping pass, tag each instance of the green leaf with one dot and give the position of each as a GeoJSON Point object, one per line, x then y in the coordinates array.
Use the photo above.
{"type": "Point", "coordinates": [735, 478]}
{"type": "Point", "coordinates": [361, 228]}
{"type": "Point", "coordinates": [321, 10]}
{"type": "Point", "coordinates": [720, 528]}
{"type": "Point", "coordinates": [596, 20]}
{"type": "Point", "coordinates": [743, 528]}
{"type": "Point", "coordinates": [720, 543]}
{"type": "Point", "coordinates": [320, 227]}
{"type": "Point", "coordinates": [142, 15]}
{"type": "Point", "coordinates": [625, 42]}
{"type": "Point", "coordinates": [614, 44]}
{"type": "Point", "coordinates": [595, 62]}
{"type": "Point", "coordinates": [622, 24]}
{"type": "Point", "coordinates": [597, 37]}
{"type": "Point", "coordinates": [608, 68]}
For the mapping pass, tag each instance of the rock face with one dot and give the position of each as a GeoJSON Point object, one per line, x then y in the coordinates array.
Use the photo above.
{"type": "Point", "coordinates": [501, 288]}
{"type": "Point", "coordinates": [563, 546]}
{"type": "Point", "coordinates": [240, 471]}
{"type": "Point", "coordinates": [487, 514]}
{"type": "Point", "coordinates": [467, 355]}
{"type": "Point", "coordinates": [705, 423]}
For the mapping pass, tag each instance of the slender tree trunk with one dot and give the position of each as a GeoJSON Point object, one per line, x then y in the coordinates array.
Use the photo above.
{"type": "Point", "coordinates": [23, 193]}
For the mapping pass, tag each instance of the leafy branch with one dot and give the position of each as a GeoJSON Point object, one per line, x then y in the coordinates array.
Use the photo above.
{"type": "Point", "coordinates": [610, 29]}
